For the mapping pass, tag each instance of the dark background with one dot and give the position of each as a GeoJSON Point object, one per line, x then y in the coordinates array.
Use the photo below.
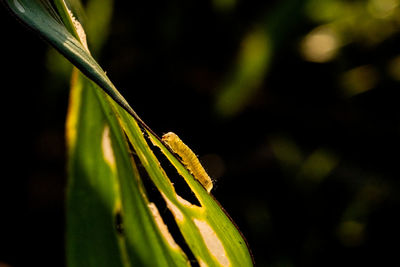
{"type": "Point", "coordinates": [307, 166]}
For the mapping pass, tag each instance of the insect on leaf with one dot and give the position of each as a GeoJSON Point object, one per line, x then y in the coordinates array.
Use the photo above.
{"type": "Point", "coordinates": [112, 219]}
{"type": "Point", "coordinates": [189, 159]}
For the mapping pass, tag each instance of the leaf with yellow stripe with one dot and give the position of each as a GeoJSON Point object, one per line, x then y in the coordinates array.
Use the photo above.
{"type": "Point", "coordinates": [113, 218]}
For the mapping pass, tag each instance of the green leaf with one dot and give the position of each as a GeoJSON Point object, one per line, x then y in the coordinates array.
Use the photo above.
{"type": "Point", "coordinates": [111, 220]}
{"type": "Point", "coordinates": [216, 228]}
{"type": "Point", "coordinates": [43, 19]}
{"type": "Point", "coordinates": [211, 236]}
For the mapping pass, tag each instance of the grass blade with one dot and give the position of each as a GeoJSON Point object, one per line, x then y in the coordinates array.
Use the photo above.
{"type": "Point", "coordinates": [111, 221]}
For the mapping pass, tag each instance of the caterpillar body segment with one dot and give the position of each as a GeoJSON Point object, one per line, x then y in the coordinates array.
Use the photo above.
{"type": "Point", "coordinates": [189, 159]}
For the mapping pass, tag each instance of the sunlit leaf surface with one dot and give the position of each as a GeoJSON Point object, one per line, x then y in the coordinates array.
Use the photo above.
{"type": "Point", "coordinates": [109, 216]}
{"type": "Point", "coordinates": [114, 163]}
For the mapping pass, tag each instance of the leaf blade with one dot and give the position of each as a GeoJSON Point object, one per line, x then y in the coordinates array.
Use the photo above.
{"type": "Point", "coordinates": [117, 187]}
{"type": "Point", "coordinates": [207, 230]}
{"type": "Point", "coordinates": [44, 20]}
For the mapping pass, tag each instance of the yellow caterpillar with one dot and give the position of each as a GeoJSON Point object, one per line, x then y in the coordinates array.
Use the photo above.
{"type": "Point", "coordinates": [189, 159]}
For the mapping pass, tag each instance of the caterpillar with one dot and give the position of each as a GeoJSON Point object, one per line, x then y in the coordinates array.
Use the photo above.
{"type": "Point", "coordinates": [188, 158]}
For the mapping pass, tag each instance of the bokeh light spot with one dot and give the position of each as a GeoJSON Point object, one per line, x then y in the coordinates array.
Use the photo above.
{"type": "Point", "coordinates": [320, 45]}
{"type": "Point", "coordinates": [360, 80]}
{"type": "Point", "coordinates": [382, 8]}
{"type": "Point", "coordinates": [351, 233]}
